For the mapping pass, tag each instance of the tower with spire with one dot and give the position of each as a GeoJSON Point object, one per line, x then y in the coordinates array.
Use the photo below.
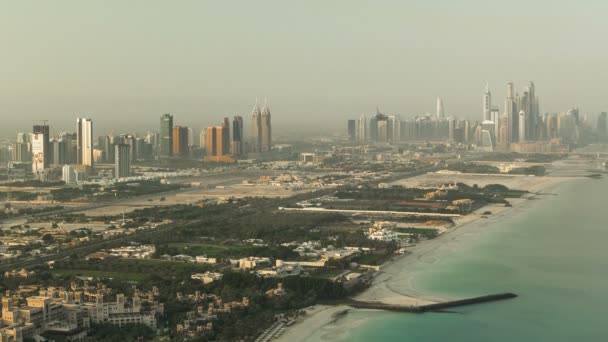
{"type": "Point", "coordinates": [256, 129]}
{"type": "Point", "coordinates": [266, 129]}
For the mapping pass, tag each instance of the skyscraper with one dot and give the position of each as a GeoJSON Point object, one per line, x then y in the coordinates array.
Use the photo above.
{"type": "Point", "coordinates": [532, 113]}
{"type": "Point", "coordinates": [394, 129]}
{"type": "Point", "coordinates": [38, 154]}
{"type": "Point", "coordinates": [488, 139]}
{"type": "Point", "coordinates": [362, 129]}
{"type": "Point", "coordinates": [190, 136]}
{"type": "Point", "coordinates": [266, 129]}
{"type": "Point", "coordinates": [84, 136]}
{"type": "Point", "coordinates": [122, 161]}
{"type": "Point", "coordinates": [180, 141]}
{"type": "Point", "coordinates": [352, 130]}
{"type": "Point", "coordinates": [218, 142]}
{"type": "Point", "coordinates": [511, 114]}
{"type": "Point", "coordinates": [440, 111]}
{"type": "Point", "coordinates": [45, 148]}
{"type": "Point", "coordinates": [23, 138]}
{"type": "Point", "coordinates": [225, 146]}
{"type": "Point", "coordinates": [21, 151]}
{"type": "Point", "coordinates": [487, 104]}
{"type": "Point", "coordinates": [202, 137]}
{"type": "Point", "coordinates": [211, 141]}
{"type": "Point", "coordinates": [103, 143]}
{"type": "Point", "coordinates": [522, 126]}
{"type": "Point", "coordinates": [502, 133]}
{"type": "Point", "coordinates": [495, 117]}
{"type": "Point", "coordinates": [373, 127]}
{"type": "Point", "coordinates": [237, 136]}
{"type": "Point", "coordinates": [166, 135]}
{"type": "Point", "coordinates": [382, 128]}
{"type": "Point", "coordinates": [255, 144]}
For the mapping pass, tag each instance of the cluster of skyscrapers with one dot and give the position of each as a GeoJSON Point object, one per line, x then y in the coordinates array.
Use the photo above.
{"type": "Point", "coordinates": [75, 151]}
{"type": "Point", "coordinates": [520, 127]}
{"type": "Point", "coordinates": [223, 143]}
{"type": "Point", "coordinates": [261, 129]}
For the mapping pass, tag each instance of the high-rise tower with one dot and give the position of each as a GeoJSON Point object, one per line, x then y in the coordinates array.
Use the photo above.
{"type": "Point", "coordinates": [180, 141]}
{"type": "Point", "coordinates": [44, 145]}
{"type": "Point", "coordinates": [84, 136]}
{"type": "Point", "coordinates": [522, 126]}
{"type": "Point", "coordinates": [225, 145]}
{"type": "Point", "coordinates": [166, 135]}
{"type": "Point", "coordinates": [266, 129]}
{"type": "Point", "coordinates": [237, 136]}
{"type": "Point", "coordinates": [255, 144]}
{"type": "Point", "coordinates": [511, 114]}
{"type": "Point", "coordinates": [362, 128]}
{"type": "Point", "coordinates": [122, 161]}
{"type": "Point", "coordinates": [487, 104]}
{"type": "Point", "coordinates": [352, 130]}
{"type": "Point", "coordinates": [440, 111]}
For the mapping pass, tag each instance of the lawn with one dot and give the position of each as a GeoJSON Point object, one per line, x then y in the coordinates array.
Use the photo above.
{"type": "Point", "coordinates": [372, 259]}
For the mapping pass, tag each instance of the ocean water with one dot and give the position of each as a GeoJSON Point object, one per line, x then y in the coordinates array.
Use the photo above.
{"type": "Point", "coordinates": [554, 255]}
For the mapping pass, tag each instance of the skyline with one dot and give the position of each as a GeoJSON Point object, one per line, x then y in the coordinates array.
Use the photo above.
{"type": "Point", "coordinates": [332, 127]}
{"type": "Point", "coordinates": [216, 58]}
{"type": "Point", "coordinates": [310, 171]}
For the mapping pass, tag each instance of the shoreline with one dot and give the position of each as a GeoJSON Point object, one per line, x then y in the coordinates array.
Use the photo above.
{"type": "Point", "coordinates": [400, 270]}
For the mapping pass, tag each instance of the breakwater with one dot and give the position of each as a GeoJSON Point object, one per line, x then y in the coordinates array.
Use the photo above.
{"type": "Point", "coordinates": [430, 307]}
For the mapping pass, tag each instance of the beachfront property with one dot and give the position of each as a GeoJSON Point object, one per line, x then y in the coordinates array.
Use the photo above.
{"type": "Point", "coordinates": [70, 312]}
{"type": "Point", "coordinates": [208, 308]}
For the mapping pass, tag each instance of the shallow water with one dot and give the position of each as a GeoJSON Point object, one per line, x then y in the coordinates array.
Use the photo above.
{"type": "Point", "coordinates": [553, 254]}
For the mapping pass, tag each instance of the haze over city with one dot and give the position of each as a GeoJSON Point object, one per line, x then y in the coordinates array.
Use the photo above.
{"type": "Point", "coordinates": [318, 171]}
{"type": "Point", "coordinates": [314, 61]}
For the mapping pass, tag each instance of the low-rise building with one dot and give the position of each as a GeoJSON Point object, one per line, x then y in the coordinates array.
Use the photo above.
{"type": "Point", "coordinates": [207, 277]}
{"type": "Point", "coordinates": [205, 260]}
{"type": "Point", "coordinates": [253, 262]}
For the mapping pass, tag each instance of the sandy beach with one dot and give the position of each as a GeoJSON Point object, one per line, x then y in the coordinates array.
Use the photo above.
{"type": "Point", "coordinates": [395, 283]}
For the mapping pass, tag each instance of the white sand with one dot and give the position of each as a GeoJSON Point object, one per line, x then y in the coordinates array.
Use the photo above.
{"type": "Point", "coordinates": [316, 318]}
{"type": "Point", "coordinates": [395, 282]}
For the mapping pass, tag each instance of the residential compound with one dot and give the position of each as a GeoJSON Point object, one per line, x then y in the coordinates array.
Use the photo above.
{"type": "Point", "coordinates": [208, 308]}
{"type": "Point", "coordinates": [69, 312]}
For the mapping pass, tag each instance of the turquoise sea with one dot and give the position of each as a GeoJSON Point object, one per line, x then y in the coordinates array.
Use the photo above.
{"type": "Point", "coordinates": [554, 255]}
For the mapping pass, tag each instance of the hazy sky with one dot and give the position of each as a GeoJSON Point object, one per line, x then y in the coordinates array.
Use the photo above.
{"type": "Point", "coordinates": [124, 63]}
